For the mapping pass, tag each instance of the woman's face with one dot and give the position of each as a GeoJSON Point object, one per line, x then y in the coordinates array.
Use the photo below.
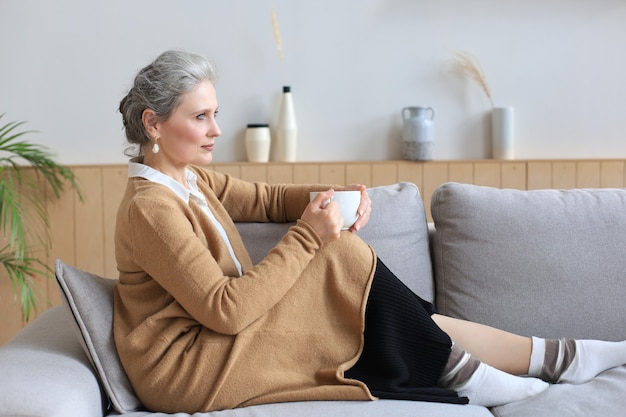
{"type": "Point", "coordinates": [188, 136]}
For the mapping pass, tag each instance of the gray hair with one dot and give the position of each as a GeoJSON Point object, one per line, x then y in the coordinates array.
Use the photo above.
{"type": "Point", "coordinates": [159, 87]}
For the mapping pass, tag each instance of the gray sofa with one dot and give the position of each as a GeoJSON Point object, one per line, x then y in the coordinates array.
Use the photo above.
{"type": "Point", "coordinates": [545, 263]}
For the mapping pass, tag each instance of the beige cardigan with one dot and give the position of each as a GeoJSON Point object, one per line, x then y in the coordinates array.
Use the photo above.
{"type": "Point", "coordinates": [193, 336]}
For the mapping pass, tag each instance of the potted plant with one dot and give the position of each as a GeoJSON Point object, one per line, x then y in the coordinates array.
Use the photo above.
{"type": "Point", "coordinates": [27, 171]}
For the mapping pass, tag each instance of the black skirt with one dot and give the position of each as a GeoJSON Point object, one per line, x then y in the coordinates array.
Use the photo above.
{"type": "Point", "coordinates": [405, 352]}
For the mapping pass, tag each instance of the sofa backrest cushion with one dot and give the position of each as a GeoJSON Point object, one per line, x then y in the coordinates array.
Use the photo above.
{"type": "Point", "coordinates": [543, 262]}
{"type": "Point", "coordinates": [397, 230]}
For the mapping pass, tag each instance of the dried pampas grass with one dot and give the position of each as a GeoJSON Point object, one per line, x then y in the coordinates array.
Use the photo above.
{"type": "Point", "coordinates": [467, 66]}
{"type": "Point", "coordinates": [277, 38]}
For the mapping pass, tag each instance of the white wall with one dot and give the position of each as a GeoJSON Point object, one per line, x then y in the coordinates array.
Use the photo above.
{"type": "Point", "coordinates": [352, 64]}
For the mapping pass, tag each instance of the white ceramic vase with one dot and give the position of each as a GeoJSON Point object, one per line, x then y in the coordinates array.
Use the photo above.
{"type": "Point", "coordinates": [502, 132]}
{"type": "Point", "coordinates": [287, 128]}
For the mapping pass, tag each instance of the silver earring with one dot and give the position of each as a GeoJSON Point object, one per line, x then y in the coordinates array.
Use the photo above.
{"type": "Point", "coordinates": [155, 147]}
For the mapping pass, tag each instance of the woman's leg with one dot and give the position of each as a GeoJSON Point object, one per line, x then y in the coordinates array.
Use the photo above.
{"type": "Point", "coordinates": [485, 363]}
{"type": "Point", "coordinates": [502, 350]}
{"type": "Point", "coordinates": [554, 360]}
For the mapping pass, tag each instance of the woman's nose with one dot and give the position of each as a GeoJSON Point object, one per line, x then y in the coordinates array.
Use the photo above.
{"type": "Point", "coordinates": [214, 131]}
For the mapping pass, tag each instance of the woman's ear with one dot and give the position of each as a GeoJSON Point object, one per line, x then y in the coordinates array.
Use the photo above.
{"type": "Point", "coordinates": [150, 122]}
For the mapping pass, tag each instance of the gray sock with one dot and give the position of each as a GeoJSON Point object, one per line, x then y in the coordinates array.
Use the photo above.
{"type": "Point", "coordinates": [459, 368]}
{"type": "Point", "coordinates": [550, 358]}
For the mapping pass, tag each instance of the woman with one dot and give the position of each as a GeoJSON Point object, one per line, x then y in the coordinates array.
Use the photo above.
{"type": "Point", "coordinates": [199, 328]}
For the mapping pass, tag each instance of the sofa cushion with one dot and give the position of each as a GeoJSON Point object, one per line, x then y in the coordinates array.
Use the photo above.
{"type": "Point", "coordinates": [548, 263]}
{"type": "Point", "coordinates": [602, 396]}
{"type": "Point", "coordinates": [397, 230]}
{"type": "Point", "coordinates": [89, 300]}
{"type": "Point", "coordinates": [44, 372]}
{"type": "Point", "coordinates": [380, 408]}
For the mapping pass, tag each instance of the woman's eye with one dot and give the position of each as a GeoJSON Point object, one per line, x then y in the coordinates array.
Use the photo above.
{"type": "Point", "coordinates": [204, 115]}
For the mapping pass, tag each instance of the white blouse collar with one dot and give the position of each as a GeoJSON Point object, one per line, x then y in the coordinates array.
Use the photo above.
{"type": "Point", "coordinates": [136, 169]}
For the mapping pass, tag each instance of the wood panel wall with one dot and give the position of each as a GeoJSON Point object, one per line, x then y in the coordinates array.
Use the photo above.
{"type": "Point", "coordinates": [83, 230]}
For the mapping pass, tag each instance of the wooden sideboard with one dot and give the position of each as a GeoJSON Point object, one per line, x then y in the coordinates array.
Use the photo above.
{"type": "Point", "coordinates": [82, 232]}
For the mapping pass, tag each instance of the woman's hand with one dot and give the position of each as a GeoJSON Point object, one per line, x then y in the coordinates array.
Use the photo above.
{"type": "Point", "coordinates": [365, 208]}
{"type": "Point", "coordinates": [324, 218]}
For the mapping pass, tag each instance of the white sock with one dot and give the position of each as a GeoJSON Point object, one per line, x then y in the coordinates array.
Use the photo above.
{"type": "Point", "coordinates": [574, 361]}
{"type": "Point", "coordinates": [592, 358]}
{"type": "Point", "coordinates": [483, 384]}
{"type": "Point", "coordinates": [491, 387]}
{"type": "Point", "coordinates": [537, 357]}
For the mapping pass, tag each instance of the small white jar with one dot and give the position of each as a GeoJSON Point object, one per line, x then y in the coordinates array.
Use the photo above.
{"type": "Point", "coordinates": [258, 141]}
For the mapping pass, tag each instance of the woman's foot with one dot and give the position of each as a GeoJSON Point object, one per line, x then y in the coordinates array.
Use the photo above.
{"type": "Point", "coordinates": [485, 385]}
{"type": "Point", "coordinates": [491, 387]}
{"type": "Point", "coordinates": [574, 361]}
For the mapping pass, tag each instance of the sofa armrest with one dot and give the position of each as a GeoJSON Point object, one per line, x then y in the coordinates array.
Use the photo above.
{"type": "Point", "coordinates": [44, 372]}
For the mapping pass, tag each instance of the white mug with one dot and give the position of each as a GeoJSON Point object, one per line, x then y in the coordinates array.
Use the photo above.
{"type": "Point", "coordinates": [348, 202]}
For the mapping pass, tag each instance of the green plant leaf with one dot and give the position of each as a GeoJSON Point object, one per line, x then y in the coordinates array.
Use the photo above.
{"type": "Point", "coordinates": [22, 273]}
{"type": "Point", "coordinates": [25, 170]}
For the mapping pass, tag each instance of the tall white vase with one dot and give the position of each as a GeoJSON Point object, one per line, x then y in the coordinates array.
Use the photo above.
{"type": "Point", "coordinates": [502, 132]}
{"type": "Point", "coordinates": [287, 128]}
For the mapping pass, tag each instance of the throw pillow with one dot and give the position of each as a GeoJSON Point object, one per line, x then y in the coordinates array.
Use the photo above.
{"type": "Point", "coordinates": [89, 300]}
